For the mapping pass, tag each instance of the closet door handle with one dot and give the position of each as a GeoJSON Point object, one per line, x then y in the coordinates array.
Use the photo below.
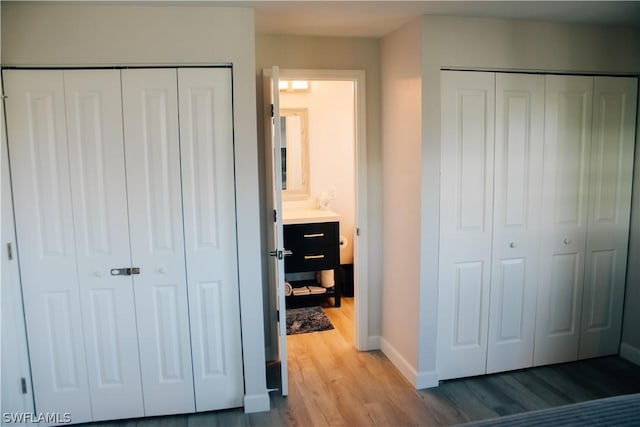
{"type": "Point", "coordinates": [313, 256]}
{"type": "Point", "coordinates": [127, 271]}
{"type": "Point", "coordinates": [567, 241]}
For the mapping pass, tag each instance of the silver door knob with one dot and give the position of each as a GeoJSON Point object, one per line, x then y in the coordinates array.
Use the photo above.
{"type": "Point", "coordinates": [567, 241]}
{"type": "Point", "coordinates": [513, 244]}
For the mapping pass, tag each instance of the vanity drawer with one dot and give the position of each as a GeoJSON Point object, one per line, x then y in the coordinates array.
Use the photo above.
{"type": "Point", "coordinates": [311, 235]}
{"type": "Point", "coordinates": [311, 260]}
{"type": "Point", "coordinates": [315, 246]}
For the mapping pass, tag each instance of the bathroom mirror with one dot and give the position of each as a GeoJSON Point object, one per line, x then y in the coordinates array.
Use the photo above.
{"type": "Point", "coordinates": [294, 152]}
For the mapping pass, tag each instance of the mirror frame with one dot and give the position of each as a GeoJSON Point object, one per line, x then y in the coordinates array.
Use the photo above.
{"type": "Point", "coordinates": [303, 192]}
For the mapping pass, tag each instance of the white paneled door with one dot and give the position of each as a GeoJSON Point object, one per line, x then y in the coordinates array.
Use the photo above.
{"type": "Point", "coordinates": [150, 105]}
{"type": "Point", "coordinates": [124, 190]}
{"type": "Point", "coordinates": [98, 188]}
{"type": "Point", "coordinates": [466, 207]}
{"type": "Point", "coordinates": [275, 233]}
{"type": "Point", "coordinates": [37, 137]}
{"type": "Point", "coordinates": [611, 172]}
{"type": "Point", "coordinates": [516, 220]}
{"type": "Point", "coordinates": [206, 138]}
{"type": "Point", "coordinates": [564, 217]}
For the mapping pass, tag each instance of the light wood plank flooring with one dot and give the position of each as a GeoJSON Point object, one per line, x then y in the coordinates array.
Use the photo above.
{"type": "Point", "coordinates": [331, 384]}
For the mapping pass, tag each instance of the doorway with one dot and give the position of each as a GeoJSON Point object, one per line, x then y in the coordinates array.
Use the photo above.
{"type": "Point", "coordinates": [298, 96]}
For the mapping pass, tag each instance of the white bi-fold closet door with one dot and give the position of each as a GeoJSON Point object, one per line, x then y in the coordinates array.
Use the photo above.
{"type": "Point", "coordinates": [589, 147]}
{"type": "Point", "coordinates": [507, 190]}
{"type": "Point", "coordinates": [490, 201]}
{"type": "Point", "coordinates": [114, 170]}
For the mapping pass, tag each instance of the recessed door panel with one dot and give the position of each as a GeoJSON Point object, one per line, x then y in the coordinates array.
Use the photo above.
{"type": "Point", "coordinates": [156, 165]}
{"type": "Point", "coordinates": [573, 115]}
{"type": "Point", "coordinates": [152, 152]}
{"type": "Point", "coordinates": [516, 220]}
{"type": "Point", "coordinates": [600, 285]}
{"type": "Point", "coordinates": [511, 282]}
{"type": "Point", "coordinates": [210, 312]}
{"type": "Point", "coordinates": [35, 111]}
{"type": "Point", "coordinates": [563, 296]}
{"type": "Point", "coordinates": [472, 157]}
{"type": "Point", "coordinates": [105, 328]}
{"type": "Point", "coordinates": [468, 305]}
{"type": "Point", "coordinates": [167, 339]}
{"type": "Point", "coordinates": [97, 170]}
{"type": "Point", "coordinates": [608, 223]}
{"type": "Point", "coordinates": [64, 364]}
{"type": "Point", "coordinates": [517, 139]}
{"type": "Point", "coordinates": [206, 135]}
{"type": "Point", "coordinates": [89, 140]}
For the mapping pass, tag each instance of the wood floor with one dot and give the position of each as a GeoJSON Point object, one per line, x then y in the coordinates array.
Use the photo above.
{"type": "Point", "coordinates": [332, 384]}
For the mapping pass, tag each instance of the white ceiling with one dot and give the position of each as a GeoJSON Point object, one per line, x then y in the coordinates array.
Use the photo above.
{"type": "Point", "coordinates": [376, 18]}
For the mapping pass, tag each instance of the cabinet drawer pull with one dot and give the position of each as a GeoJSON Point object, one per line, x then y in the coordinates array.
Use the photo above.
{"type": "Point", "coordinates": [309, 236]}
{"type": "Point", "coordinates": [313, 256]}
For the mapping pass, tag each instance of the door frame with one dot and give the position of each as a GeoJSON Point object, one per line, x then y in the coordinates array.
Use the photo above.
{"type": "Point", "coordinates": [361, 264]}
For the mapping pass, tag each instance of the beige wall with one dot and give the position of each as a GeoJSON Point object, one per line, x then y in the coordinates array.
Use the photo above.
{"type": "Point", "coordinates": [401, 151]}
{"type": "Point", "coordinates": [97, 34]}
{"type": "Point", "coordinates": [507, 45]}
{"type": "Point", "coordinates": [291, 52]}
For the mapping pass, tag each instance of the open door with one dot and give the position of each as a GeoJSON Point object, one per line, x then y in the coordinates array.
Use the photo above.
{"type": "Point", "coordinates": [274, 211]}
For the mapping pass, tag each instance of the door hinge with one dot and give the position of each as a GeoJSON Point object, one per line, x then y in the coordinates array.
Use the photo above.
{"type": "Point", "coordinates": [272, 111]}
{"type": "Point", "coordinates": [23, 385]}
{"type": "Point", "coordinates": [9, 251]}
{"type": "Point", "coordinates": [275, 215]}
{"type": "Point", "coordinates": [357, 231]}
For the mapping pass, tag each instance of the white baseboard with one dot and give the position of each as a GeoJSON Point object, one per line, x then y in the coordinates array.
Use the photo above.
{"type": "Point", "coordinates": [630, 353]}
{"type": "Point", "coordinates": [418, 379]}
{"type": "Point", "coordinates": [256, 403]}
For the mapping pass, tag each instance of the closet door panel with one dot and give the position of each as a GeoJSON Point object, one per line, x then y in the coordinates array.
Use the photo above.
{"type": "Point", "coordinates": [44, 224]}
{"type": "Point", "coordinates": [517, 197]}
{"type": "Point", "coordinates": [564, 217]}
{"type": "Point", "coordinates": [96, 153]}
{"type": "Point", "coordinates": [206, 135]}
{"type": "Point", "coordinates": [152, 152]}
{"type": "Point", "coordinates": [466, 222]}
{"type": "Point", "coordinates": [609, 208]}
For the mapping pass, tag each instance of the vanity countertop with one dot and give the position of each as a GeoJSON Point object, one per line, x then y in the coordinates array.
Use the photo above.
{"type": "Point", "coordinates": [305, 216]}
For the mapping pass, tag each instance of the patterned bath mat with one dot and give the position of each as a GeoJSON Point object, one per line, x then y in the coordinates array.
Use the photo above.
{"type": "Point", "coordinates": [307, 319]}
